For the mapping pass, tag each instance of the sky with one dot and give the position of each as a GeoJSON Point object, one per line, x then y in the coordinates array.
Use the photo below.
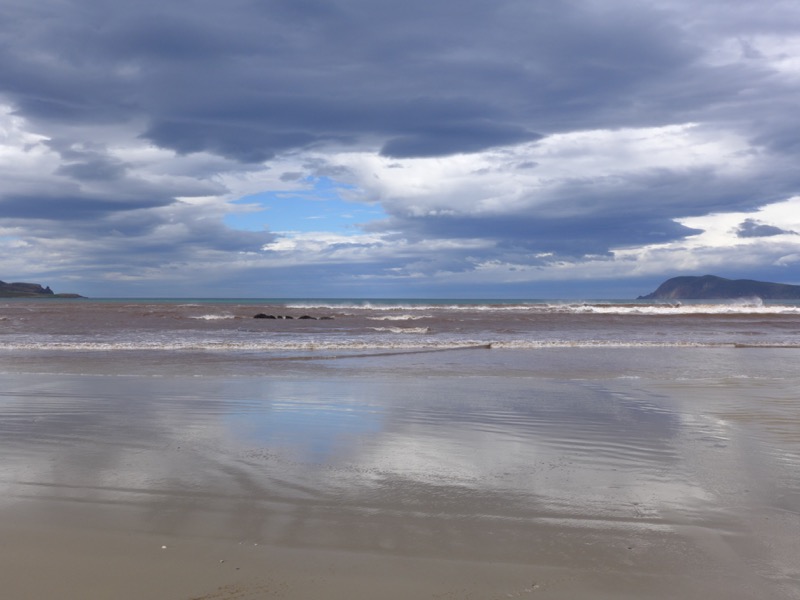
{"type": "Point", "coordinates": [375, 148]}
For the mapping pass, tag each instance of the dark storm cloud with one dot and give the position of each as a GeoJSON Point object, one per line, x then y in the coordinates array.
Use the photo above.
{"type": "Point", "coordinates": [70, 207]}
{"type": "Point", "coordinates": [97, 169]}
{"type": "Point", "coordinates": [450, 140]}
{"type": "Point", "coordinates": [87, 163]}
{"type": "Point", "coordinates": [534, 66]}
{"type": "Point", "coordinates": [248, 80]}
{"type": "Point", "coordinates": [750, 228]}
{"type": "Point", "coordinates": [243, 142]}
{"type": "Point", "coordinates": [568, 237]}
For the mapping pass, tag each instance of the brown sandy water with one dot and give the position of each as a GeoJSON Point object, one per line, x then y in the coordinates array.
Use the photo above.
{"type": "Point", "coordinates": [570, 473]}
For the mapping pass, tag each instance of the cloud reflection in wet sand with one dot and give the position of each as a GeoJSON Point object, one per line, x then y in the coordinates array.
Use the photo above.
{"type": "Point", "coordinates": [478, 467]}
{"type": "Point", "coordinates": [499, 449]}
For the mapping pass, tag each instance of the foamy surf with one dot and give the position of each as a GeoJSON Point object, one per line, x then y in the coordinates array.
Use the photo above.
{"type": "Point", "coordinates": [416, 330]}
{"type": "Point", "coordinates": [230, 326]}
{"type": "Point", "coordinates": [378, 344]}
{"type": "Point", "coordinates": [410, 310]}
{"type": "Point", "coordinates": [399, 317]}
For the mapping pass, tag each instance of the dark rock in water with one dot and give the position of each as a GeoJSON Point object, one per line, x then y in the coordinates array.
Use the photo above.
{"type": "Point", "coordinates": [710, 287]}
{"type": "Point", "coordinates": [309, 317]}
{"type": "Point", "coordinates": [30, 290]}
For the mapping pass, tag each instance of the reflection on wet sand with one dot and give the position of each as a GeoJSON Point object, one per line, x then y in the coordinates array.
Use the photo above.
{"type": "Point", "coordinates": [591, 488]}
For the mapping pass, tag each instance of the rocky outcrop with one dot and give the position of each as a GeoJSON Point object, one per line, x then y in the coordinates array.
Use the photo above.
{"type": "Point", "coordinates": [710, 287]}
{"type": "Point", "coordinates": [30, 290]}
{"type": "Point", "coordinates": [304, 317]}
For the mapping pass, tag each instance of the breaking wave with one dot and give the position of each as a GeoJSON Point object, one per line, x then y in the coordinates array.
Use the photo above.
{"type": "Point", "coordinates": [399, 318]}
{"type": "Point", "coordinates": [355, 345]}
{"type": "Point", "coordinates": [401, 329]}
{"type": "Point", "coordinates": [410, 310]}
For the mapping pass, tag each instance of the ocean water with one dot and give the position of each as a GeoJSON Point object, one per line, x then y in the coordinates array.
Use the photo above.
{"type": "Point", "coordinates": [202, 335]}
{"type": "Point", "coordinates": [659, 442]}
{"type": "Point", "coordinates": [325, 326]}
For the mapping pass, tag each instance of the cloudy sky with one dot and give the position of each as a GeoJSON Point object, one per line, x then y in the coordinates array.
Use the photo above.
{"type": "Point", "coordinates": [470, 148]}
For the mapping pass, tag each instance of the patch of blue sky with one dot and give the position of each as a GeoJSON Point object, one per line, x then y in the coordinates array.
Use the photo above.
{"type": "Point", "coordinates": [319, 208]}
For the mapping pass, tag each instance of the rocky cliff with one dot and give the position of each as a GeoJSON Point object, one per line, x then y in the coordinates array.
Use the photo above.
{"type": "Point", "coordinates": [29, 290]}
{"type": "Point", "coordinates": [710, 287]}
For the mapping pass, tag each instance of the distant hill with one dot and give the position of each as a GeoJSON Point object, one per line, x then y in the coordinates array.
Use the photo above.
{"type": "Point", "coordinates": [30, 290]}
{"type": "Point", "coordinates": [710, 287]}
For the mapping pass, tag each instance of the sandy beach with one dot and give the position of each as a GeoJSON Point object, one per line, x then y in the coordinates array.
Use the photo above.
{"type": "Point", "coordinates": [392, 477]}
{"type": "Point", "coordinates": [59, 562]}
{"type": "Point", "coordinates": [399, 300]}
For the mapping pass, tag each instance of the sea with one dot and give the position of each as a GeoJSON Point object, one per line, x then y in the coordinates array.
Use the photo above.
{"type": "Point", "coordinates": [324, 326]}
{"type": "Point", "coordinates": [655, 440]}
{"type": "Point", "coordinates": [247, 331]}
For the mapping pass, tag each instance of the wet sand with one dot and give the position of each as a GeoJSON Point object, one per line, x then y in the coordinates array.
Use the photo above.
{"type": "Point", "coordinates": [75, 563]}
{"type": "Point", "coordinates": [400, 478]}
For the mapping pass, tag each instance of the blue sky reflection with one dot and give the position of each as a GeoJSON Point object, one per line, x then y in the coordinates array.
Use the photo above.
{"type": "Point", "coordinates": [316, 431]}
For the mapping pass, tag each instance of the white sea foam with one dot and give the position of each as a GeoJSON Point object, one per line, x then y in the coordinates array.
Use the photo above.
{"type": "Point", "coordinates": [533, 344]}
{"type": "Point", "coordinates": [213, 317]}
{"type": "Point", "coordinates": [399, 318]}
{"type": "Point", "coordinates": [743, 306]}
{"type": "Point", "coordinates": [401, 329]}
{"type": "Point", "coordinates": [397, 343]}
{"type": "Point", "coordinates": [409, 306]}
